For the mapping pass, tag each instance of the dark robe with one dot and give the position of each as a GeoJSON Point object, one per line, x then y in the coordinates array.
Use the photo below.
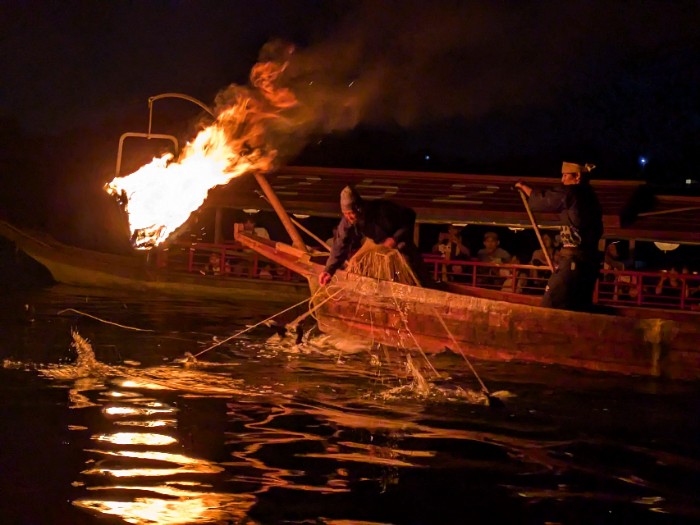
{"type": "Point", "coordinates": [572, 284]}
{"type": "Point", "coordinates": [378, 220]}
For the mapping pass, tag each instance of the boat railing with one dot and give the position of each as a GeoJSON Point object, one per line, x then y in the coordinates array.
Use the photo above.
{"type": "Point", "coordinates": [655, 289]}
{"type": "Point", "coordinates": [506, 277]}
{"type": "Point", "coordinates": [614, 287]}
{"type": "Point", "coordinates": [234, 260]}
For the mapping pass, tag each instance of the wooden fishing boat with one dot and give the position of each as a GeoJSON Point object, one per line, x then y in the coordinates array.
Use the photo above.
{"type": "Point", "coordinates": [488, 325]}
{"type": "Point", "coordinates": [88, 268]}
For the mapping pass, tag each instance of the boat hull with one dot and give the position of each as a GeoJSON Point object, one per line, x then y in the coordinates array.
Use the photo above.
{"type": "Point", "coordinates": [433, 321]}
{"type": "Point", "coordinates": [86, 268]}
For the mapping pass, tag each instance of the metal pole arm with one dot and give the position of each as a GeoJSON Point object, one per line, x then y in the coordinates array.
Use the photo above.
{"type": "Point", "coordinates": [151, 100]}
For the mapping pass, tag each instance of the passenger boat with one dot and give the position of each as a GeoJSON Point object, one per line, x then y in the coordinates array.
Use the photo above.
{"type": "Point", "coordinates": [491, 324]}
{"type": "Point", "coordinates": [484, 324]}
{"type": "Point", "coordinates": [143, 272]}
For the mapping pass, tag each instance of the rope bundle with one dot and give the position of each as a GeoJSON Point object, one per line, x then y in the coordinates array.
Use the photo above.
{"type": "Point", "coordinates": [381, 262]}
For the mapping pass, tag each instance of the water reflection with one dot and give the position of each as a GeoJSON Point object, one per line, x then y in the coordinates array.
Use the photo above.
{"type": "Point", "coordinates": [157, 483]}
{"type": "Point", "coordinates": [271, 432]}
{"type": "Point", "coordinates": [180, 507]}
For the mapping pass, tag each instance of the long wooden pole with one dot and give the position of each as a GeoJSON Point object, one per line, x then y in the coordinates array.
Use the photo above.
{"type": "Point", "coordinates": [664, 212]}
{"type": "Point", "coordinates": [304, 229]}
{"type": "Point", "coordinates": [297, 241]}
{"type": "Point", "coordinates": [537, 229]}
{"type": "Point", "coordinates": [311, 234]}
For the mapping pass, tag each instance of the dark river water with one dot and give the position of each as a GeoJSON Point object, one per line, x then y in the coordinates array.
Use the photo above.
{"type": "Point", "coordinates": [105, 424]}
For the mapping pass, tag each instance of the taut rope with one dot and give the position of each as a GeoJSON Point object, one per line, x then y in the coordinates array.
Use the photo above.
{"type": "Point", "coordinates": [241, 332]}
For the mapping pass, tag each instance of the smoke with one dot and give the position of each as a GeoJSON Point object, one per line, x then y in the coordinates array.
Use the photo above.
{"type": "Point", "coordinates": [414, 63]}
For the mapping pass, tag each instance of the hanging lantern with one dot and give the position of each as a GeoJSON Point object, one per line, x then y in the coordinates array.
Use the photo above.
{"type": "Point", "coordinates": [666, 246]}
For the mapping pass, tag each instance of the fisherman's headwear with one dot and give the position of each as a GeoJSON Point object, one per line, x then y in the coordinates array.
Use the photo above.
{"type": "Point", "coordinates": [570, 167]}
{"type": "Point", "coordinates": [350, 200]}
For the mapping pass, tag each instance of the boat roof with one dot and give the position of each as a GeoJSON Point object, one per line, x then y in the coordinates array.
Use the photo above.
{"type": "Point", "coordinates": [669, 218]}
{"type": "Point", "coordinates": [465, 199]}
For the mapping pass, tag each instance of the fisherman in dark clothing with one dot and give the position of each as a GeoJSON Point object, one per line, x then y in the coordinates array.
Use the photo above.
{"type": "Point", "coordinates": [572, 284]}
{"type": "Point", "coordinates": [383, 221]}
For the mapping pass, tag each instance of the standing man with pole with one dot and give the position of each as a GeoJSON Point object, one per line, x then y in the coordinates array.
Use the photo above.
{"type": "Point", "coordinates": [572, 285]}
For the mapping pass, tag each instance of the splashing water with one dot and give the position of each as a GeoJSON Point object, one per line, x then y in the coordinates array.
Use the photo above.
{"type": "Point", "coordinates": [404, 369]}
{"type": "Point", "coordinates": [86, 364]}
{"type": "Point", "coordinates": [248, 437]}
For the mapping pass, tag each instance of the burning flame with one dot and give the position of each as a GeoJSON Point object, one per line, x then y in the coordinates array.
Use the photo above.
{"type": "Point", "coordinates": [160, 196]}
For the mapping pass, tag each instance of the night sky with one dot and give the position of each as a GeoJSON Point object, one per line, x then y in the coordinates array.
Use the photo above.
{"type": "Point", "coordinates": [491, 87]}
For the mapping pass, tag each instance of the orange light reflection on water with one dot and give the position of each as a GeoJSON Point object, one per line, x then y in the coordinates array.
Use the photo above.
{"type": "Point", "coordinates": [131, 411]}
{"type": "Point", "coordinates": [152, 423]}
{"type": "Point", "coordinates": [193, 464]}
{"type": "Point", "coordinates": [182, 507]}
{"type": "Point", "coordinates": [136, 383]}
{"type": "Point", "coordinates": [136, 438]}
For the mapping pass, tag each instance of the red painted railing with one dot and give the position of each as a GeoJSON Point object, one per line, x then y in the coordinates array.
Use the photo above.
{"type": "Point", "coordinates": [233, 261]}
{"type": "Point", "coordinates": [618, 287]}
{"type": "Point", "coordinates": [615, 287]}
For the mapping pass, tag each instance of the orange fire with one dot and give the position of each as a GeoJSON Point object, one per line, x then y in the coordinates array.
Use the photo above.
{"type": "Point", "coordinates": [160, 196]}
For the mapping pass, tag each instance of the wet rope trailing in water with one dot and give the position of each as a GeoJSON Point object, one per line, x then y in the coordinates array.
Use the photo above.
{"type": "Point", "coordinates": [104, 320]}
{"type": "Point", "coordinates": [387, 264]}
{"type": "Point", "coordinates": [313, 309]}
{"type": "Point", "coordinates": [382, 263]}
{"type": "Point", "coordinates": [404, 320]}
{"type": "Point", "coordinates": [459, 348]}
{"type": "Point", "coordinates": [241, 332]}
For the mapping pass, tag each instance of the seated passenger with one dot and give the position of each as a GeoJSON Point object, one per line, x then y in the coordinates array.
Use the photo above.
{"type": "Point", "coordinates": [693, 284]}
{"type": "Point", "coordinates": [241, 268]}
{"type": "Point", "coordinates": [452, 248]}
{"type": "Point", "coordinates": [280, 273]}
{"type": "Point", "coordinates": [626, 289]}
{"type": "Point", "coordinates": [249, 227]}
{"type": "Point", "coordinates": [214, 267]}
{"type": "Point", "coordinates": [539, 278]}
{"type": "Point", "coordinates": [538, 257]}
{"type": "Point", "coordinates": [670, 286]}
{"type": "Point", "coordinates": [521, 278]}
{"type": "Point", "coordinates": [494, 254]}
{"type": "Point", "coordinates": [612, 260]}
